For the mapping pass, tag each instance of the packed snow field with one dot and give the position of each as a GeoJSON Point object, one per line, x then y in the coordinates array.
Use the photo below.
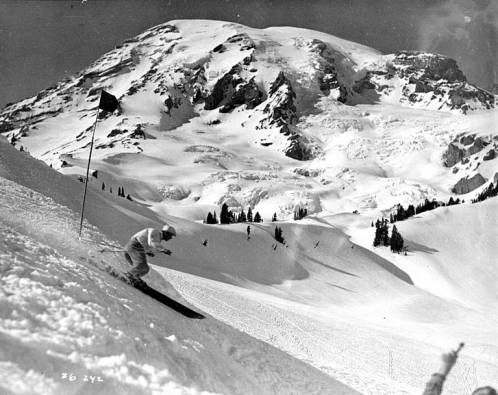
{"type": "Point", "coordinates": [273, 119]}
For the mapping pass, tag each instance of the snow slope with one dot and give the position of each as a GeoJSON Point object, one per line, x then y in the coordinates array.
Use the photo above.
{"type": "Point", "coordinates": [336, 306]}
{"type": "Point", "coordinates": [68, 328]}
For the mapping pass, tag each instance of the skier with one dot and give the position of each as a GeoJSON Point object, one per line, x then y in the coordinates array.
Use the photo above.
{"type": "Point", "coordinates": [248, 232]}
{"type": "Point", "coordinates": [144, 242]}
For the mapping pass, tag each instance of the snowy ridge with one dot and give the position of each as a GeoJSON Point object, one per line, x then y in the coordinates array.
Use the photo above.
{"type": "Point", "coordinates": [321, 116]}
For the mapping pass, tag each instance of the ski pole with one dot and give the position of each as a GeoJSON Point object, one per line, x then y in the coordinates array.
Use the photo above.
{"type": "Point", "coordinates": [460, 346]}
{"type": "Point", "coordinates": [104, 250]}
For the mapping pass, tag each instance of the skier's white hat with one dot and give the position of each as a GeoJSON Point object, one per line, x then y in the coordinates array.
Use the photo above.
{"type": "Point", "coordinates": [169, 229]}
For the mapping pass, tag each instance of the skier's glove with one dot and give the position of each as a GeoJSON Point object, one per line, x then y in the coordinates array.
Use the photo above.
{"type": "Point", "coordinates": [150, 254]}
{"type": "Point", "coordinates": [167, 252]}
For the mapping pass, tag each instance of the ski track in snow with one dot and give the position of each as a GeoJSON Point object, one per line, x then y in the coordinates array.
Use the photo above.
{"type": "Point", "coordinates": [64, 322]}
{"type": "Point", "coordinates": [365, 357]}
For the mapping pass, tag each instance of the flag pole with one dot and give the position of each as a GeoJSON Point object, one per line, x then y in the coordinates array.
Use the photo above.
{"type": "Point", "coordinates": [88, 168]}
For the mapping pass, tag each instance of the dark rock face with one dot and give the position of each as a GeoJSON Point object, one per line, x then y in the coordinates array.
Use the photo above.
{"type": "Point", "coordinates": [244, 41]}
{"type": "Point", "coordinates": [434, 67]}
{"type": "Point", "coordinates": [466, 185]}
{"type": "Point", "coordinates": [279, 81]}
{"type": "Point", "coordinates": [430, 73]}
{"type": "Point", "coordinates": [231, 91]}
{"type": "Point", "coordinates": [117, 132]}
{"type": "Point", "coordinates": [453, 155]}
{"type": "Point", "coordinates": [138, 133]}
{"type": "Point", "coordinates": [328, 75]}
{"type": "Point", "coordinates": [282, 113]}
{"type": "Point", "coordinates": [478, 145]}
{"type": "Point", "coordinates": [6, 126]}
{"type": "Point", "coordinates": [467, 140]}
{"type": "Point", "coordinates": [297, 149]}
{"type": "Point", "coordinates": [490, 155]}
{"type": "Point", "coordinates": [364, 83]}
{"type": "Point", "coordinates": [219, 48]}
{"type": "Point", "coordinates": [282, 109]}
{"type": "Point", "coordinates": [171, 103]}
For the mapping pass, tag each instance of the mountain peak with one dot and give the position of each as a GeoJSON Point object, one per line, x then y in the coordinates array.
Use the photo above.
{"type": "Point", "coordinates": [280, 99]}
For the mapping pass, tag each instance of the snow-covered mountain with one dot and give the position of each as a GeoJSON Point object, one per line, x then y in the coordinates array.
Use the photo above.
{"type": "Point", "coordinates": [214, 112]}
{"type": "Point", "coordinates": [272, 119]}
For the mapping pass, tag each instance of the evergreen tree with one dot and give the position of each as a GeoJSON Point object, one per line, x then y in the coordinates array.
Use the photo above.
{"type": "Point", "coordinates": [385, 232]}
{"type": "Point", "coordinates": [377, 238]}
{"type": "Point", "coordinates": [225, 214]}
{"type": "Point", "coordinates": [103, 186]}
{"type": "Point", "coordinates": [396, 241]}
{"type": "Point", "coordinates": [209, 218]}
{"type": "Point", "coordinates": [249, 215]}
{"type": "Point", "coordinates": [400, 213]}
{"type": "Point", "coordinates": [215, 218]}
{"type": "Point", "coordinates": [242, 216]}
{"type": "Point", "coordinates": [274, 218]}
{"type": "Point", "coordinates": [257, 217]}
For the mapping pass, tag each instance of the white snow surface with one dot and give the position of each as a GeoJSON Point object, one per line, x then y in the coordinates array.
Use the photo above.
{"type": "Point", "coordinates": [66, 327]}
{"type": "Point", "coordinates": [324, 309]}
{"type": "Point", "coordinates": [362, 316]}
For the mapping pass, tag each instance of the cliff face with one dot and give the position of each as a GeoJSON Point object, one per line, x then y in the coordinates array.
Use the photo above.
{"type": "Point", "coordinates": [426, 81]}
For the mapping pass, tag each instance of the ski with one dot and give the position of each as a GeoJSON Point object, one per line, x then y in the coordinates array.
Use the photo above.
{"type": "Point", "coordinates": [160, 297]}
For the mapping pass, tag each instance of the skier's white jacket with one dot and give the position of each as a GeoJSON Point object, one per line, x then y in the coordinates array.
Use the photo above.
{"type": "Point", "coordinates": [150, 239]}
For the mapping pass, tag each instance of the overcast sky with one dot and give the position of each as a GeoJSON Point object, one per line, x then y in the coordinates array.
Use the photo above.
{"type": "Point", "coordinates": [41, 42]}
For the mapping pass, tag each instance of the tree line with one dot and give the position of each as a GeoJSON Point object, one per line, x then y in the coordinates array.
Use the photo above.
{"type": "Point", "coordinates": [228, 216]}
{"type": "Point", "coordinates": [489, 192]}
{"type": "Point", "coordinates": [402, 213]}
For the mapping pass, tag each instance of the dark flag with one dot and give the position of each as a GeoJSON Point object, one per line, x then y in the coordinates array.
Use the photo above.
{"type": "Point", "coordinates": [108, 102]}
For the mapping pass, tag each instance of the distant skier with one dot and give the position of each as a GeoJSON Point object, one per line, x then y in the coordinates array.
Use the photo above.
{"type": "Point", "coordinates": [248, 232]}
{"type": "Point", "coordinates": [144, 242]}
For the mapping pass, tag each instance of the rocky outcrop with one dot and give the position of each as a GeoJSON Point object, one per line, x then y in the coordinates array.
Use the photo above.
{"type": "Point", "coordinates": [432, 67]}
{"type": "Point", "coordinates": [281, 108]}
{"type": "Point", "coordinates": [138, 133]}
{"type": "Point", "coordinates": [231, 91]}
{"type": "Point", "coordinates": [490, 155]}
{"type": "Point", "coordinates": [245, 42]}
{"type": "Point", "coordinates": [430, 80]}
{"type": "Point", "coordinates": [281, 113]}
{"type": "Point", "coordinates": [328, 80]}
{"type": "Point", "coordinates": [462, 148]}
{"type": "Point", "coordinates": [453, 155]}
{"type": "Point", "coordinates": [298, 149]}
{"type": "Point", "coordinates": [466, 185]}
